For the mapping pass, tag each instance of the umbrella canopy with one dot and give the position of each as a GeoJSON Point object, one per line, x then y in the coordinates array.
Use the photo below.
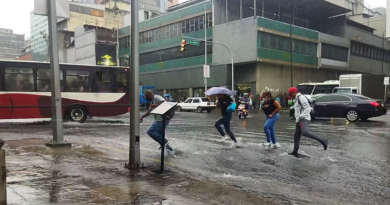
{"type": "Point", "coordinates": [220, 90]}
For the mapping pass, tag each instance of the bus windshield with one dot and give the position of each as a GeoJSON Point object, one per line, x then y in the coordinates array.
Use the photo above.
{"type": "Point", "coordinates": [324, 89]}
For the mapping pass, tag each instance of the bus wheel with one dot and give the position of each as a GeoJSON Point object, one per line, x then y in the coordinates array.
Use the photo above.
{"type": "Point", "coordinates": [78, 114]}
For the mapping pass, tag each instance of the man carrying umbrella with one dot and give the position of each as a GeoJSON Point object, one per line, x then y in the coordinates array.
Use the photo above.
{"type": "Point", "coordinates": [224, 101]}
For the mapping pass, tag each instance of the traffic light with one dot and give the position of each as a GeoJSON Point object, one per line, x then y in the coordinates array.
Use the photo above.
{"type": "Point", "coordinates": [183, 45]}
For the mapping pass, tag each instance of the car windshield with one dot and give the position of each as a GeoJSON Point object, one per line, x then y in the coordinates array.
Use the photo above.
{"type": "Point", "coordinates": [305, 89]}
{"type": "Point", "coordinates": [205, 100]}
{"type": "Point", "coordinates": [342, 90]}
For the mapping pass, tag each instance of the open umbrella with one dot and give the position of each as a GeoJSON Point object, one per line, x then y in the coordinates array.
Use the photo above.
{"type": "Point", "coordinates": [220, 90]}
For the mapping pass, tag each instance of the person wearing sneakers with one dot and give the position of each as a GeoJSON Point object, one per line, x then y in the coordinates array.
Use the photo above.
{"type": "Point", "coordinates": [224, 102]}
{"type": "Point", "coordinates": [155, 130]}
{"type": "Point", "coordinates": [271, 108]}
{"type": "Point", "coordinates": [302, 110]}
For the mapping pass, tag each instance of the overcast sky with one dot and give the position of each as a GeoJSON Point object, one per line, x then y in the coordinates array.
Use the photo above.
{"type": "Point", "coordinates": [15, 14]}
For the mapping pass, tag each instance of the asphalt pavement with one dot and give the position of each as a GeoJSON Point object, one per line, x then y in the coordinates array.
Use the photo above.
{"type": "Point", "coordinates": [354, 170]}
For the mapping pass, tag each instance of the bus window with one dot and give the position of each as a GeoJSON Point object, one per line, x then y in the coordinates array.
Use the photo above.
{"type": "Point", "coordinates": [102, 81]}
{"type": "Point", "coordinates": [19, 79]}
{"type": "Point", "coordinates": [44, 82]}
{"type": "Point", "coordinates": [77, 81]}
{"type": "Point", "coordinates": [324, 89]}
{"type": "Point", "coordinates": [307, 90]}
{"type": "Point", "coordinates": [121, 83]}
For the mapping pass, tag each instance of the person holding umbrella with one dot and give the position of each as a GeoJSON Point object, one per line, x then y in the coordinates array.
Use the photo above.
{"type": "Point", "coordinates": [224, 102]}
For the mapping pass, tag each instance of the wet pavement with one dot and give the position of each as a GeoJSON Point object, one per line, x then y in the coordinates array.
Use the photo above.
{"type": "Point", "coordinates": [354, 170]}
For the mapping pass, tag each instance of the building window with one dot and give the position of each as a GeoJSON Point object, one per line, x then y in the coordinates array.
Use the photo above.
{"type": "Point", "coordinates": [146, 15]}
{"type": "Point", "coordinates": [201, 22]}
{"type": "Point", "coordinates": [166, 31]}
{"type": "Point", "coordinates": [334, 52]}
{"type": "Point", "coordinates": [183, 27]}
{"type": "Point", "coordinates": [192, 24]}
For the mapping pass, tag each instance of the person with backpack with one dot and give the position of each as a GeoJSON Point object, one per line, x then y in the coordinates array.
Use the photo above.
{"type": "Point", "coordinates": [155, 130]}
{"type": "Point", "coordinates": [224, 101]}
{"type": "Point", "coordinates": [302, 110]}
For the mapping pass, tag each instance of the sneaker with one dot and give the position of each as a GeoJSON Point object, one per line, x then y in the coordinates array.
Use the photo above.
{"type": "Point", "coordinates": [276, 145]}
{"type": "Point", "coordinates": [171, 153]}
{"type": "Point", "coordinates": [223, 139]}
{"type": "Point", "coordinates": [266, 144]}
{"type": "Point", "coordinates": [159, 148]}
{"type": "Point", "coordinates": [233, 145]}
{"type": "Point", "coordinates": [239, 143]}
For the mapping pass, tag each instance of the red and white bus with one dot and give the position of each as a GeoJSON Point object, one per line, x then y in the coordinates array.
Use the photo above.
{"type": "Point", "coordinates": [85, 90]}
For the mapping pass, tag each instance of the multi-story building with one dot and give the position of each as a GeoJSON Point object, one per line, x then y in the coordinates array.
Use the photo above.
{"type": "Point", "coordinates": [80, 14]}
{"type": "Point", "coordinates": [274, 45]}
{"type": "Point", "coordinates": [11, 44]}
{"type": "Point", "coordinates": [39, 37]}
{"type": "Point", "coordinates": [173, 3]}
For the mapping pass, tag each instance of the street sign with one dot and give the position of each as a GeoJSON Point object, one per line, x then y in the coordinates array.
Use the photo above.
{"type": "Point", "coordinates": [194, 42]}
{"type": "Point", "coordinates": [206, 71]}
{"type": "Point", "coordinates": [386, 81]}
{"type": "Point", "coordinates": [62, 11]}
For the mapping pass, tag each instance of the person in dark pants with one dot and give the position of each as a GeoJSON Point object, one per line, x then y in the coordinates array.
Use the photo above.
{"type": "Point", "coordinates": [302, 116]}
{"type": "Point", "coordinates": [224, 102]}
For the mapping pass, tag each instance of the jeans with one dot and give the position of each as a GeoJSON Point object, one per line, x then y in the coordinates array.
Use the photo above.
{"type": "Point", "coordinates": [302, 128]}
{"type": "Point", "coordinates": [269, 127]}
{"type": "Point", "coordinates": [155, 132]}
{"type": "Point", "coordinates": [225, 121]}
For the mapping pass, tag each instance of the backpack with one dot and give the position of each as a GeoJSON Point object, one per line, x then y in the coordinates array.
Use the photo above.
{"type": "Point", "coordinates": [311, 104]}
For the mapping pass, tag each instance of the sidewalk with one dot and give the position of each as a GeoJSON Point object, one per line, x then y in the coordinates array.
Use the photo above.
{"type": "Point", "coordinates": [84, 175]}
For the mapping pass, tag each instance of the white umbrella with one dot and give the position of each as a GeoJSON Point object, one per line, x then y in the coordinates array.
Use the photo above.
{"type": "Point", "coordinates": [220, 90]}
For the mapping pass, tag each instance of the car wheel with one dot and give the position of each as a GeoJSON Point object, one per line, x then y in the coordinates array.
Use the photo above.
{"type": "Point", "coordinates": [78, 114]}
{"type": "Point", "coordinates": [352, 115]}
{"type": "Point", "coordinates": [178, 109]}
{"type": "Point", "coordinates": [209, 110]}
{"type": "Point", "coordinates": [199, 109]}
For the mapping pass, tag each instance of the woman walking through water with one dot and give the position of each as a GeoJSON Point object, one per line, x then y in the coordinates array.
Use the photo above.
{"type": "Point", "coordinates": [271, 108]}
{"type": "Point", "coordinates": [224, 102]}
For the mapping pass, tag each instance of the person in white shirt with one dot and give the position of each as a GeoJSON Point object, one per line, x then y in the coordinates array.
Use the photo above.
{"type": "Point", "coordinates": [302, 115]}
{"type": "Point", "coordinates": [155, 130]}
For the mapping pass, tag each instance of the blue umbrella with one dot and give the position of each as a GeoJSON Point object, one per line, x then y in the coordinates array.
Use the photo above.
{"type": "Point", "coordinates": [220, 90]}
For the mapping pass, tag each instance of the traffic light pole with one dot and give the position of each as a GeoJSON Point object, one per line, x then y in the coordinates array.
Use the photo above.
{"type": "Point", "coordinates": [227, 48]}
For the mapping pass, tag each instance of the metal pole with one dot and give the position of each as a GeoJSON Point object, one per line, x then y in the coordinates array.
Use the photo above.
{"type": "Point", "coordinates": [134, 152]}
{"type": "Point", "coordinates": [3, 178]}
{"type": "Point", "coordinates": [384, 50]}
{"type": "Point", "coordinates": [254, 10]}
{"type": "Point", "coordinates": [162, 144]}
{"type": "Point", "coordinates": [291, 56]}
{"type": "Point", "coordinates": [117, 45]}
{"type": "Point", "coordinates": [205, 45]}
{"type": "Point", "coordinates": [58, 134]}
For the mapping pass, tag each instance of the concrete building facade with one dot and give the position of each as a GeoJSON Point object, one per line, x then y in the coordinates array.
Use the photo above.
{"type": "Point", "coordinates": [11, 45]}
{"type": "Point", "coordinates": [273, 45]}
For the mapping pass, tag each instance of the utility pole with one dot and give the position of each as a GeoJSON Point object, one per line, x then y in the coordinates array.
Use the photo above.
{"type": "Point", "coordinates": [56, 104]}
{"type": "Point", "coordinates": [134, 151]}
{"type": "Point", "coordinates": [205, 44]}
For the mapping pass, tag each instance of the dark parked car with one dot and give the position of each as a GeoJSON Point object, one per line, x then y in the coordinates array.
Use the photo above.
{"type": "Point", "coordinates": [350, 106]}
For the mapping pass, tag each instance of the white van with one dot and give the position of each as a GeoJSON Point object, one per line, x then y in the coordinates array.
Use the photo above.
{"type": "Point", "coordinates": [309, 89]}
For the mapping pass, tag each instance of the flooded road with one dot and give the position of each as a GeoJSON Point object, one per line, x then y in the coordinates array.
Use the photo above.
{"type": "Point", "coordinates": [354, 170]}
